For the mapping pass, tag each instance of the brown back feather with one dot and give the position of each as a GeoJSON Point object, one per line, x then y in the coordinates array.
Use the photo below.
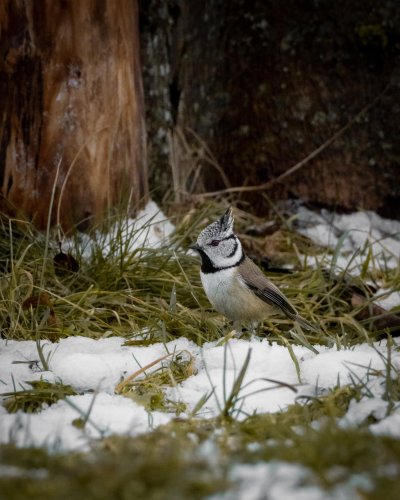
{"type": "Point", "coordinates": [265, 289]}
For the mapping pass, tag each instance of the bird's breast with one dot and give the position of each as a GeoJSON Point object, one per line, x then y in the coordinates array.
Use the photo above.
{"type": "Point", "coordinates": [231, 297]}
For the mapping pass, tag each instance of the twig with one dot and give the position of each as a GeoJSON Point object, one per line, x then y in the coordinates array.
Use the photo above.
{"type": "Point", "coordinates": [128, 379]}
{"type": "Point", "coordinates": [297, 166]}
{"type": "Point", "coordinates": [210, 158]}
{"type": "Point", "coordinates": [196, 156]}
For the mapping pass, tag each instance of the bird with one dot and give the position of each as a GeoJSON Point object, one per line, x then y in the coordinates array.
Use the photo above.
{"type": "Point", "coordinates": [233, 283]}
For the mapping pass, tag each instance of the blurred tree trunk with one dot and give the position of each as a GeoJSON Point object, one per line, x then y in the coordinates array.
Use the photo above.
{"type": "Point", "coordinates": [70, 98]}
{"type": "Point", "coordinates": [239, 92]}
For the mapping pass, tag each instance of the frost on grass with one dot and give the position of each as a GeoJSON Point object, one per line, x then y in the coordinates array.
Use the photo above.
{"type": "Point", "coordinates": [94, 367]}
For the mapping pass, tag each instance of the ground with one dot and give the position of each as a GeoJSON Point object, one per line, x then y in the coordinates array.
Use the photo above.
{"type": "Point", "coordinates": [126, 354]}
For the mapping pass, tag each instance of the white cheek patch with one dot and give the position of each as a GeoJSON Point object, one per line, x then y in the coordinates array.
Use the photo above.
{"type": "Point", "coordinates": [222, 256]}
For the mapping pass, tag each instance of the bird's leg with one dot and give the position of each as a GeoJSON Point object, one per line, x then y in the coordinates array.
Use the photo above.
{"type": "Point", "coordinates": [237, 327]}
{"type": "Point", "coordinates": [236, 332]}
{"type": "Point", "coordinates": [253, 329]}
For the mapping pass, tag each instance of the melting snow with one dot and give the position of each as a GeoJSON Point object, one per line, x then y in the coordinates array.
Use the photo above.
{"type": "Point", "coordinates": [279, 480]}
{"type": "Point", "coordinates": [361, 232]}
{"type": "Point", "coordinates": [387, 299]}
{"type": "Point", "coordinates": [149, 229]}
{"type": "Point", "coordinates": [94, 367]}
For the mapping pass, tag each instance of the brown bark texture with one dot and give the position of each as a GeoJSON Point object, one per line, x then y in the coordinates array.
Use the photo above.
{"type": "Point", "coordinates": [71, 101]}
{"type": "Point", "coordinates": [245, 90]}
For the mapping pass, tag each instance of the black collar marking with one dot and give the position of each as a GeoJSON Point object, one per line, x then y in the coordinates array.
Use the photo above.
{"type": "Point", "coordinates": [235, 247]}
{"type": "Point", "coordinates": [207, 267]}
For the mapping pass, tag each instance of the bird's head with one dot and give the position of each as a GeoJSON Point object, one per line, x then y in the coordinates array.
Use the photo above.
{"type": "Point", "coordinates": [217, 244]}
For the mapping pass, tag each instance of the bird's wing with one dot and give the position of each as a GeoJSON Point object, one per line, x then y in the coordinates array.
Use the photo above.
{"type": "Point", "coordinates": [265, 290]}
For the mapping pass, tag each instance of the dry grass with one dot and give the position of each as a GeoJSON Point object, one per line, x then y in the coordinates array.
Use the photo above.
{"type": "Point", "coordinates": [154, 296]}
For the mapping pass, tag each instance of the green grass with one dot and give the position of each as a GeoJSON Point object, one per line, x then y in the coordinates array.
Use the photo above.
{"type": "Point", "coordinates": [159, 292]}
{"type": "Point", "coordinates": [31, 400]}
{"type": "Point", "coordinates": [124, 293]}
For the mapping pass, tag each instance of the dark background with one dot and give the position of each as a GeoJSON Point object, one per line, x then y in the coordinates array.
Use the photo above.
{"type": "Point", "coordinates": [254, 87]}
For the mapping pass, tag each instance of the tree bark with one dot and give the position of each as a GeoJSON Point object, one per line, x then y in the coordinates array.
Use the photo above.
{"type": "Point", "coordinates": [246, 90]}
{"type": "Point", "coordinates": [71, 102]}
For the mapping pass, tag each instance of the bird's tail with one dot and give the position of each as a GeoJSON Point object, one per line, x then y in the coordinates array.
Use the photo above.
{"type": "Point", "coordinates": [305, 324]}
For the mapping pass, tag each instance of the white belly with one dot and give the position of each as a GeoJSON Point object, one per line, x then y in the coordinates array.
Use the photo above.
{"type": "Point", "coordinates": [232, 298]}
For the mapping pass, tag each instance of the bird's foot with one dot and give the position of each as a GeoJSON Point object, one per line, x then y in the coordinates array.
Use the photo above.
{"type": "Point", "coordinates": [230, 335]}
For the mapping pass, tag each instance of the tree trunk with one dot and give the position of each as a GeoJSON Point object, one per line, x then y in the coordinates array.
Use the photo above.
{"type": "Point", "coordinates": [71, 102]}
{"type": "Point", "coordinates": [245, 90]}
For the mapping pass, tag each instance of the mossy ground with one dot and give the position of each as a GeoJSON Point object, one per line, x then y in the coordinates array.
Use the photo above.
{"type": "Point", "coordinates": [171, 462]}
{"type": "Point", "coordinates": [159, 292]}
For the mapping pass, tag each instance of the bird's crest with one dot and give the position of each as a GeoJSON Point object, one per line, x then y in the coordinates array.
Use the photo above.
{"type": "Point", "coordinates": [221, 228]}
{"type": "Point", "coordinates": [226, 220]}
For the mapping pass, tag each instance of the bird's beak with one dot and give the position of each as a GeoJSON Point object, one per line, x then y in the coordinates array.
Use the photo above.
{"type": "Point", "coordinates": [195, 247]}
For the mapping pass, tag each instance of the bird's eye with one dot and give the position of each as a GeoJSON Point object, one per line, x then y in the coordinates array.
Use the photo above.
{"type": "Point", "coordinates": [214, 243]}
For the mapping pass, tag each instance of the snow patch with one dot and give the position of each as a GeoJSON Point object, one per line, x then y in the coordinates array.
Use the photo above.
{"type": "Point", "coordinates": [361, 231]}
{"type": "Point", "coordinates": [280, 480]}
{"type": "Point", "coordinates": [149, 229]}
{"type": "Point", "coordinates": [94, 367]}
